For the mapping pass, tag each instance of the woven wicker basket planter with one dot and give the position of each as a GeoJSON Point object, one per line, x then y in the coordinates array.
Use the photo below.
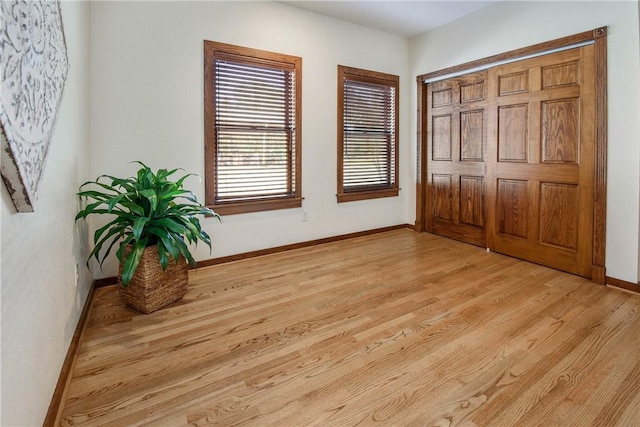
{"type": "Point", "coordinates": [151, 288]}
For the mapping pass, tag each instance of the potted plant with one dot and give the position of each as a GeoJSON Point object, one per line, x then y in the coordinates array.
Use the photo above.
{"type": "Point", "coordinates": [155, 219]}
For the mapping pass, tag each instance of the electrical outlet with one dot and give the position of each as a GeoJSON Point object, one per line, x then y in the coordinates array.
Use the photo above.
{"type": "Point", "coordinates": [305, 215]}
{"type": "Point", "coordinates": [77, 273]}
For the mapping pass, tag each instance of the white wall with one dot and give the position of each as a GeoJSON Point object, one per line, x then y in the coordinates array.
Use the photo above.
{"type": "Point", "coordinates": [147, 104]}
{"type": "Point", "coordinates": [40, 301]}
{"type": "Point", "coordinates": [511, 25]}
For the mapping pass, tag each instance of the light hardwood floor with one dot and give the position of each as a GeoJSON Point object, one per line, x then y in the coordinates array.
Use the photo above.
{"type": "Point", "coordinates": [398, 328]}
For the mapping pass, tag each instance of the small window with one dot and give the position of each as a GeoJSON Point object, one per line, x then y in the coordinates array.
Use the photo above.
{"type": "Point", "coordinates": [367, 135]}
{"type": "Point", "coordinates": [252, 129]}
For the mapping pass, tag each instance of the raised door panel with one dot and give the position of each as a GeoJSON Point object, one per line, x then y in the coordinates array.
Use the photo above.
{"type": "Point", "coordinates": [471, 136]}
{"type": "Point", "coordinates": [512, 208]}
{"type": "Point", "coordinates": [560, 133]}
{"type": "Point", "coordinates": [559, 215]}
{"type": "Point", "coordinates": [513, 137]}
{"type": "Point", "coordinates": [442, 138]}
{"type": "Point", "coordinates": [472, 200]}
{"type": "Point", "coordinates": [441, 97]}
{"type": "Point", "coordinates": [512, 83]}
{"type": "Point", "coordinates": [559, 75]}
{"type": "Point", "coordinates": [442, 197]}
{"type": "Point", "coordinates": [472, 92]}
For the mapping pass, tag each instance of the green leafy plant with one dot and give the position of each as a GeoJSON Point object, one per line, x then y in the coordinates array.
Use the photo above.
{"type": "Point", "coordinates": [149, 209]}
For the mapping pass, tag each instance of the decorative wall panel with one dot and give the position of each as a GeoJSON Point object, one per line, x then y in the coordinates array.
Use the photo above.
{"type": "Point", "coordinates": [33, 59]}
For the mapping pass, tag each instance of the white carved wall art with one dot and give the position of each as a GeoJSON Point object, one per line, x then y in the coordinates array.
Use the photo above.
{"type": "Point", "coordinates": [33, 71]}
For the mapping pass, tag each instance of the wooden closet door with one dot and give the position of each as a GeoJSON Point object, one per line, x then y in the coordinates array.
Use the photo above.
{"type": "Point", "coordinates": [456, 142]}
{"type": "Point", "coordinates": [541, 150]}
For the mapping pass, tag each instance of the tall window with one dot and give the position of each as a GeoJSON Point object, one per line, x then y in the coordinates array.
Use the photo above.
{"type": "Point", "coordinates": [367, 136]}
{"type": "Point", "coordinates": [252, 129]}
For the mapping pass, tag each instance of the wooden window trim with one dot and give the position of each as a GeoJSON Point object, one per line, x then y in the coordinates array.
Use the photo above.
{"type": "Point", "coordinates": [214, 50]}
{"type": "Point", "coordinates": [374, 77]}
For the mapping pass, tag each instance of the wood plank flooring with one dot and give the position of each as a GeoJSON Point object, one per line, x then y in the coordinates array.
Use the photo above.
{"type": "Point", "coordinates": [394, 329]}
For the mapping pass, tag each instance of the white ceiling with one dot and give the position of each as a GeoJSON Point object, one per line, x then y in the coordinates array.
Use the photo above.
{"type": "Point", "coordinates": [404, 18]}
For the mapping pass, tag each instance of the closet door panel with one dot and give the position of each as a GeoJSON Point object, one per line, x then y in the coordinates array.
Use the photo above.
{"type": "Point", "coordinates": [456, 155]}
{"type": "Point", "coordinates": [540, 168]}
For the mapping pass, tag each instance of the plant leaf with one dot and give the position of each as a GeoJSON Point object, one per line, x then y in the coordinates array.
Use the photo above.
{"type": "Point", "coordinates": [162, 254]}
{"type": "Point", "coordinates": [138, 227]}
{"type": "Point", "coordinates": [184, 250]}
{"type": "Point", "coordinates": [151, 196]}
{"type": "Point", "coordinates": [132, 261]}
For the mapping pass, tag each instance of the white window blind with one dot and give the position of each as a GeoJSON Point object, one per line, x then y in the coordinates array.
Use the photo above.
{"type": "Point", "coordinates": [369, 136]}
{"type": "Point", "coordinates": [254, 131]}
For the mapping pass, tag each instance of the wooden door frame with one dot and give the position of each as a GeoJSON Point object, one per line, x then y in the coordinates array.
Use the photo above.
{"type": "Point", "coordinates": [598, 36]}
